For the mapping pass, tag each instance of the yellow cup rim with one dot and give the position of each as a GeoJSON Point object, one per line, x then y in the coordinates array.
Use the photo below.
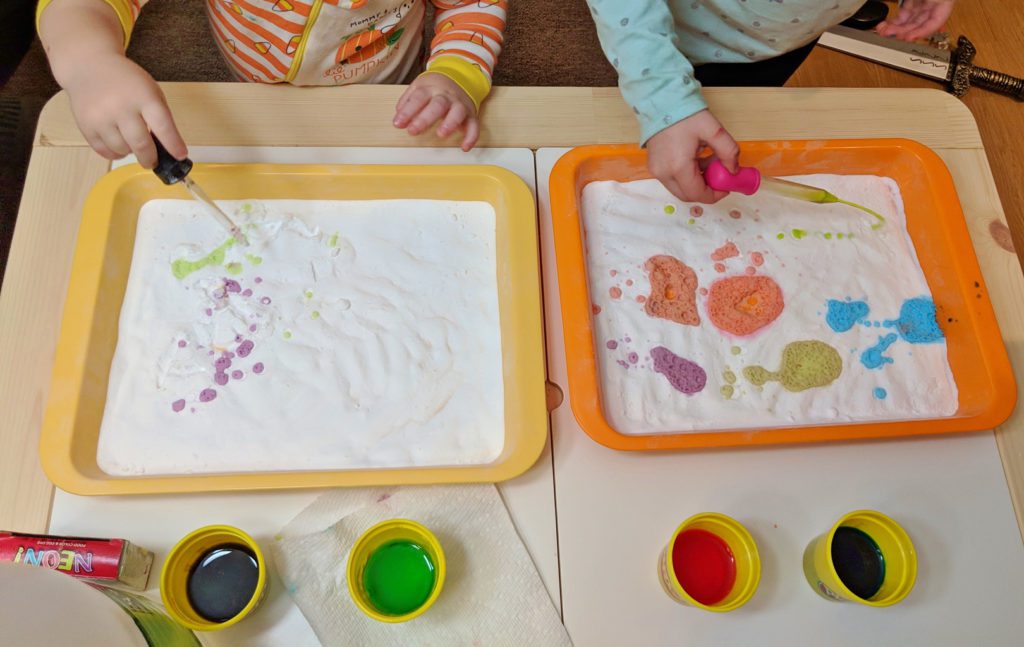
{"type": "Point", "coordinates": [417, 532]}
{"type": "Point", "coordinates": [173, 606]}
{"type": "Point", "coordinates": [749, 585]}
{"type": "Point", "coordinates": [905, 587]}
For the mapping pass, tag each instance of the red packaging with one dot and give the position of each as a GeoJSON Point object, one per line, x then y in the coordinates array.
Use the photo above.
{"type": "Point", "coordinates": [110, 561]}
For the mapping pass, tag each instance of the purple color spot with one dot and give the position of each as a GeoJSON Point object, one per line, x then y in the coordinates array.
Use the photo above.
{"type": "Point", "coordinates": [612, 344]}
{"type": "Point", "coordinates": [627, 340]}
{"type": "Point", "coordinates": [237, 375]}
{"type": "Point", "coordinates": [245, 348]}
{"type": "Point", "coordinates": [220, 293]}
{"type": "Point", "coordinates": [258, 279]}
{"type": "Point", "coordinates": [682, 374]}
{"type": "Point", "coordinates": [252, 328]}
{"type": "Point", "coordinates": [231, 285]}
{"type": "Point", "coordinates": [209, 312]}
{"type": "Point", "coordinates": [209, 352]}
{"type": "Point", "coordinates": [623, 364]}
{"type": "Point", "coordinates": [230, 355]}
{"type": "Point", "coordinates": [178, 405]}
{"type": "Point", "coordinates": [207, 395]}
{"type": "Point", "coordinates": [257, 368]}
{"type": "Point", "coordinates": [182, 343]}
{"type": "Point", "coordinates": [220, 378]}
{"type": "Point", "coordinates": [193, 409]}
{"type": "Point", "coordinates": [265, 301]}
{"type": "Point", "coordinates": [238, 338]}
{"type": "Point", "coordinates": [246, 292]}
{"type": "Point", "coordinates": [633, 358]}
{"type": "Point", "coordinates": [222, 363]}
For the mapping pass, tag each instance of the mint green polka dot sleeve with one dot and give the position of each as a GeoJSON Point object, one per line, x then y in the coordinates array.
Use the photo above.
{"type": "Point", "coordinates": [656, 79]}
{"type": "Point", "coordinates": [654, 44]}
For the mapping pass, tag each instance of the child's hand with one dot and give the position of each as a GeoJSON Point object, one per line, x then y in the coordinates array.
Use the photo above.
{"type": "Point", "coordinates": [431, 97]}
{"type": "Point", "coordinates": [917, 19]}
{"type": "Point", "coordinates": [672, 156]}
{"type": "Point", "coordinates": [116, 104]}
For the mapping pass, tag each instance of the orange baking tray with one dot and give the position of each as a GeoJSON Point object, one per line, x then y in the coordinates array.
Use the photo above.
{"type": "Point", "coordinates": [99, 276]}
{"type": "Point", "coordinates": [977, 356]}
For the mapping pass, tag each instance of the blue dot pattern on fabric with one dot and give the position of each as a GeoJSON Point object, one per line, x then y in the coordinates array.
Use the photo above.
{"type": "Point", "coordinates": [917, 323]}
{"type": "Point", "coordinates": [842, 315]}
{"type": "Point", "coordinates": [880, 393]}
{"type": "Point", "coordinates": [873, 357]}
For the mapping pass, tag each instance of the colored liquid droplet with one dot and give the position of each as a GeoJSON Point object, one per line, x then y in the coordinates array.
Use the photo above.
{"type": "Point", "coordinates": [399, 577]}
{"type": "Point", "coordinates": [670, 209]}
{"type": "Point", "coordinates": [704, 565]}
{"type": "Point", "coordinates": [223, 582]}
{"type": "Point", "coordinates": [858, 561]}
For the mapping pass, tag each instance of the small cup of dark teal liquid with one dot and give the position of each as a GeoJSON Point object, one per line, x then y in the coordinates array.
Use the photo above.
{"type": "Point", "coordinates": [865, 557]}
{"type": "Point", "coordinates": [213, 578]}
{"type": "Point", "coordinates": [395, 570]}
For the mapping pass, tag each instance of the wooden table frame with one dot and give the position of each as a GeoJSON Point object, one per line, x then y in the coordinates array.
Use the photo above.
{"type": "Point", "coordinates": [63, 169]}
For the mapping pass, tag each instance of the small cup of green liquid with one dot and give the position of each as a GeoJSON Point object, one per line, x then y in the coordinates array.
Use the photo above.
{"type": "Point", "coordinates": [395, 570]}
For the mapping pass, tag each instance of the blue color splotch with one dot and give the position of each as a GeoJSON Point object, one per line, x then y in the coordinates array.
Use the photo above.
{"type": "Point", "coordinates": [842, 315]}
{"type": "Point", "coordinates": [917, 323]}
{"type": "Point", "coordinates": [873, 357]}
{"type": "Point", "coordinates": [880, 393]}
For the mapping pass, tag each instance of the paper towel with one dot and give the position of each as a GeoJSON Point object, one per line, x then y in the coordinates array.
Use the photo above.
{"type": "Point", "coordinates": [492, 593]}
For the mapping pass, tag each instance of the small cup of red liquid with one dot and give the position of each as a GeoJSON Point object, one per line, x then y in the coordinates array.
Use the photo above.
{"type": "Point", "coordinates": [710, 563]}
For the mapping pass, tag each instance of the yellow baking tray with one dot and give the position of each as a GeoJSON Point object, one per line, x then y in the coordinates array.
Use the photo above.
{"type": "Point", "coordinates": [99, 275]}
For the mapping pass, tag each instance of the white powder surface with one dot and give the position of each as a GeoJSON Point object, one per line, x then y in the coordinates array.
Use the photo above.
{"type": "Point", "coordinates": [821, 258]}
{"type": "Point", "coordinates": [348, 334]}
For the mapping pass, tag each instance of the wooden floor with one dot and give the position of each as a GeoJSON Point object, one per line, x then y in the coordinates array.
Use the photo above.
{"type": "Point", "coordinates": [995, 28]}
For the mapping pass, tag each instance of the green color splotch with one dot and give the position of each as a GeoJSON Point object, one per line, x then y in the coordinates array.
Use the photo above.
{"type": "Point", "coordinates": [735, 350]}
{"type": "Point", "coordinates": [233, 268]}
{"type": "Point", "coordinates": [799, 233]}
{"type": "Point", "coordinates": [253, 259]}
{"type": "Point", "coordinates": [182, 267]}
{"type": "Point", "coordinates": [315, 314]}
{"type": "Point", "coordinates": [670, 209]}
{"type": "Point", "coordinates": [729, 376]}
{"type": "Point", "coordinates": [246, 208]}
{"type": "Point", "coordinates": [690, 221]}
{"type": "Point", "coordinates": [287, 334]}
{"type": "Point", "coordinates": [332, 241]}
{"type": "Point", "coordinates": [727, 391]}
{"type": "Point", "coordinates": [308, 294]}
{"type": "Point", "coordinates": [805, 365]}
{"type": "Point", "coordinates": [828, 235]}
{"type": "Point", "coordinates": [780, 235]}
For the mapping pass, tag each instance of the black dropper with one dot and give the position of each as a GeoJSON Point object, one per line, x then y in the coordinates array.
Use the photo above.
{"type": "Point", "coordinates": [169, 169]}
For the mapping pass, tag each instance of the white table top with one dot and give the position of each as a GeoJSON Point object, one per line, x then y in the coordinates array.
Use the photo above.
{"type": "Point", "coordinates": [157, 522]}
{"type": "Point", "coordinates": [617, 510]}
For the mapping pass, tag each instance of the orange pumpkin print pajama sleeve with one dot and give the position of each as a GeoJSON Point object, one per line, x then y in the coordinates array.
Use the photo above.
{"type": "Point", "coordinates": [468, 35]}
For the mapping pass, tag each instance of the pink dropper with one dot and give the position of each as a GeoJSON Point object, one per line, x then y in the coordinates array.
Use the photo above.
{"type": "Point", "coordinates": [748, 181]}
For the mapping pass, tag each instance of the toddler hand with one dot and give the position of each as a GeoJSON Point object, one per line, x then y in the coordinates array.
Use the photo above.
{"type": "Point", "coordinates": [432, 97]}
{"type": "Point", "coordinates": [116, 104]}
{"type": "Point", "coordinates": [672, 156]}
{"type": "Point", "coordinates": [917, 19]}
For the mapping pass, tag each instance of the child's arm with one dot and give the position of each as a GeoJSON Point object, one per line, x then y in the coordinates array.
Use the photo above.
{"type": "Point", "coordinates": [467, 40]}
{"type": "Point", "coordinates": [115, 102]}
{"type": "Point", "coordinates": [657, 81]}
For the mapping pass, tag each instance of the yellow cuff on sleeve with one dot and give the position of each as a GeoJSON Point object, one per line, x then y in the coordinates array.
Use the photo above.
{"type": "Point", "coordinates": [120, 7]}
{"type": "Point", "coordinates": [466, 75]}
